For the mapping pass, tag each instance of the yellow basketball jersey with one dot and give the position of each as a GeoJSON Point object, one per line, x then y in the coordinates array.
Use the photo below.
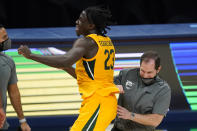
{"type": "Point", "coordinates": [96, 74]}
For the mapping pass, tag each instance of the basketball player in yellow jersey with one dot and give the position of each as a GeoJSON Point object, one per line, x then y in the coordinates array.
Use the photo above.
{"type": "Point", "coordinates": [94, 55]}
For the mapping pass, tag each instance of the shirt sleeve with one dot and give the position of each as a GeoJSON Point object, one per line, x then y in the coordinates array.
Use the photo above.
{"type": "Point", "coordinates": [13, 77]}
{"type": "Point", "coordinates": [120, 99]}
{"type": "Point", "coordinates": [162, 103]}
{"type": "Point", "coordinates": [117, 79]}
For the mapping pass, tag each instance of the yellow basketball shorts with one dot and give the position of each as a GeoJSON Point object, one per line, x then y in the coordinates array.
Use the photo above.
{"type": "Point", "coordinates": [96, 113]}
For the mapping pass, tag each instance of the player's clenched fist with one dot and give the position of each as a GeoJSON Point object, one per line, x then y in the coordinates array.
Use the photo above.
{"type": "Point", "coordinates": [24, 50]}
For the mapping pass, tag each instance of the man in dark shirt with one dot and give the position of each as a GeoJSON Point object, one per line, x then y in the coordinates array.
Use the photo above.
{"type": "Point", "coordinates": [146, 99]}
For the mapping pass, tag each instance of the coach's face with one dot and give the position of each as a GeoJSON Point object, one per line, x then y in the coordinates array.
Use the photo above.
{"type": "Point", "coordinates": [148, 71]}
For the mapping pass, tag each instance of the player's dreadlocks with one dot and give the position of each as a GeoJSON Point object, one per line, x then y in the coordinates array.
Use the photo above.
{"type": "Point", "coordinates": [101, 18]}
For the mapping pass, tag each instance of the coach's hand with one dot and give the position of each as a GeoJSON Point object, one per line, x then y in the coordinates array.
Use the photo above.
{"type": "Point", "coordinates": [25, 51]}
{"type": "Point", "coordinates": [120, 88]}
{"type": "Point", "coordinates": [2, 117]}
{"type": "Point", "coordinates": [123, 113]}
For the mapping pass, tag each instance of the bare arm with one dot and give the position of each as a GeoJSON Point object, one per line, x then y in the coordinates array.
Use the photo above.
{"type": "Point", "coordinates": [147, 119]}
{"type": "Point", "coordinates": [2, 113]}
{"type": "Point", "coordinates": [80, 47]}
{"type": "Point", "coordinates": [71, 71]}
{"type": "Point", "coordinates": [15, 100]}
{"type": "Point", "coordinates": [1, 105]}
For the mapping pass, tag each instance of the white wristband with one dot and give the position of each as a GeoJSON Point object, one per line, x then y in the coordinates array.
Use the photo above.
{"type": "Point", "coordinates": [22, 120]}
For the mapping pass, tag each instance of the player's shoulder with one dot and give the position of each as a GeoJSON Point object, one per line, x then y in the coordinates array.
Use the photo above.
{"type": "Point", "coordinates": [86, 41]}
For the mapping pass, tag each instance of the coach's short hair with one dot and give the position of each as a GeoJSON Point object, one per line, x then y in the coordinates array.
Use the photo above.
{"type": "Point", "coordinates": [147, 56]}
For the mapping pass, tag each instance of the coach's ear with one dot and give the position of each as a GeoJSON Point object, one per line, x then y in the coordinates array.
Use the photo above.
{"type": "Point", "coordinates": [158, 70]}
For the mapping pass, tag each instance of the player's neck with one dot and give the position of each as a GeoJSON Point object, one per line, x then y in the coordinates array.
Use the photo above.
{"type": "Point", "coordinates": [93, 32]}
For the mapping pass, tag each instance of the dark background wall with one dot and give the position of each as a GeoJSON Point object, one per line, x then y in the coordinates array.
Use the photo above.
{"type": "Point", "coordinates": [59, 13]}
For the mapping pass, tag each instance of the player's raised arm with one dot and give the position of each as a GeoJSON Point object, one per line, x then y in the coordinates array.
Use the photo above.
{"type": "Point", "coordinates": [78, 50]}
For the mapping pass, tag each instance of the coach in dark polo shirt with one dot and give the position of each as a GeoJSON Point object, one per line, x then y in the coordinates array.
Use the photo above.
{"type": "Point", "coordinates": [146, 97]}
